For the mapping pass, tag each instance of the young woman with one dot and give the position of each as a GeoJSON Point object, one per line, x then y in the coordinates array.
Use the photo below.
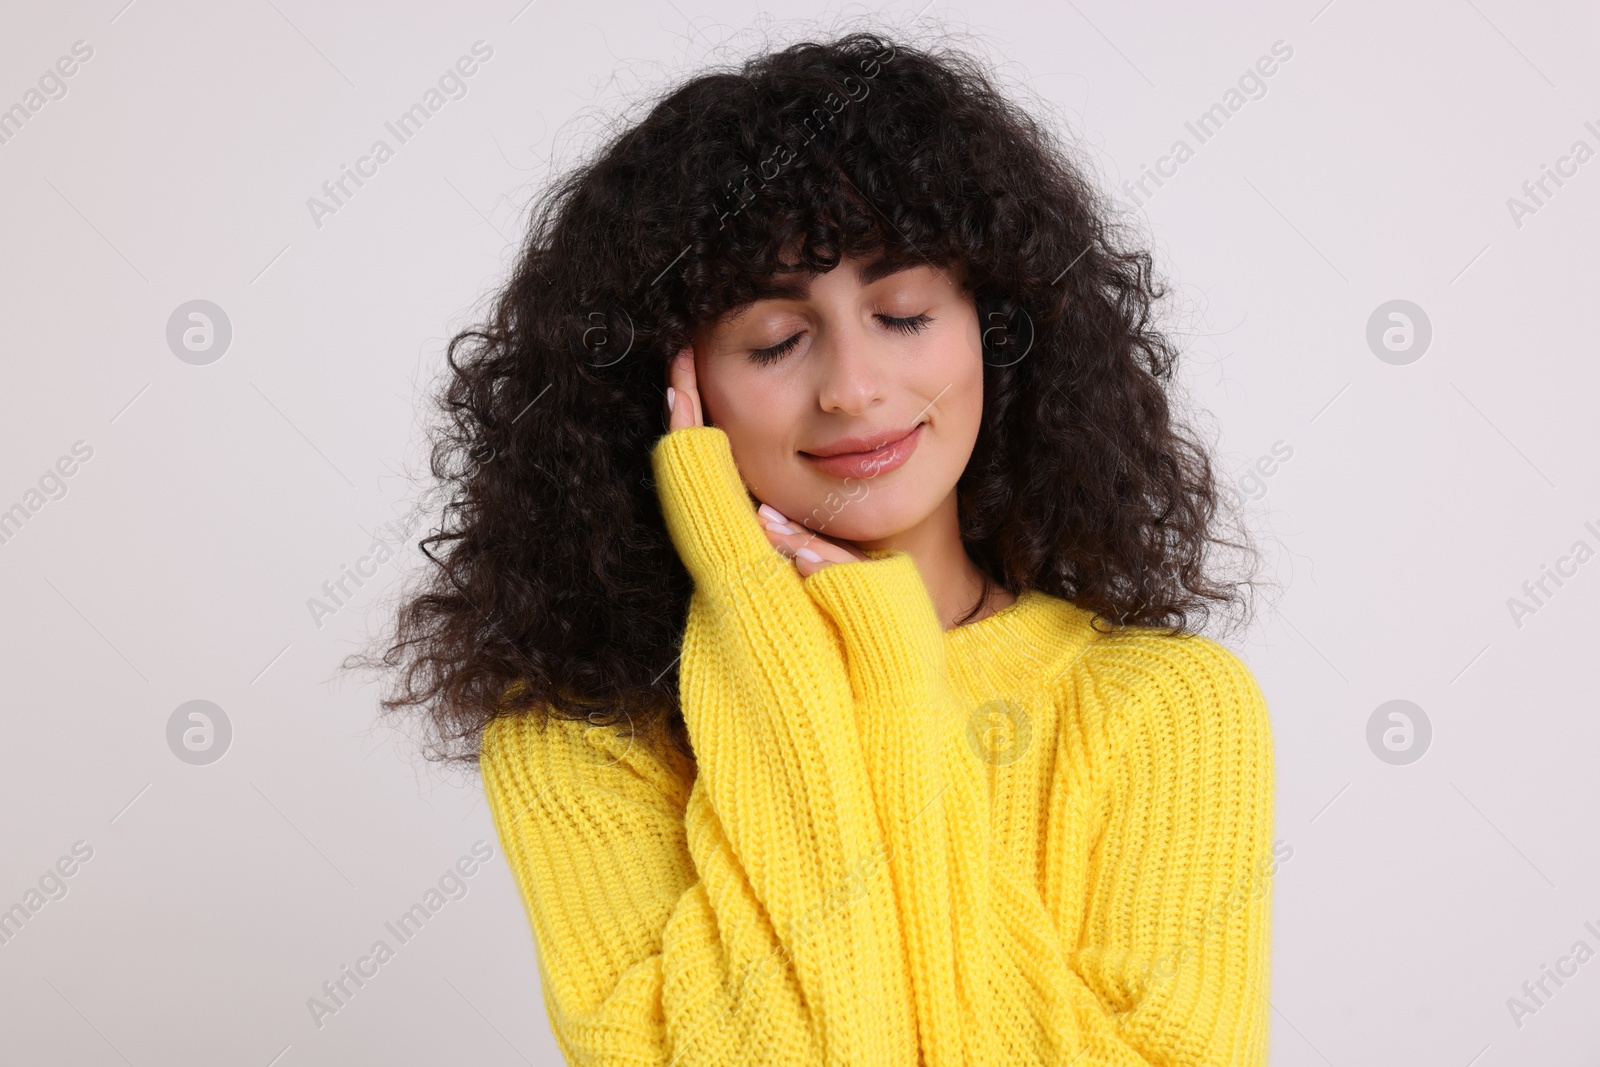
{"type": "Point", "coordinates": [859, 717]}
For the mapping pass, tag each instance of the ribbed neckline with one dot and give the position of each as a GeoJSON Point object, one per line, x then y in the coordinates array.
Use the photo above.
{"type": "Point", "coordinates": [1023, 638]}
{"type": "Point", "coordinates": [1023, 605]}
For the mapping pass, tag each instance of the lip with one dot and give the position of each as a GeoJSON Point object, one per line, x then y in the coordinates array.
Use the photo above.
{"type": "Point", "coordinates": [870, 462]}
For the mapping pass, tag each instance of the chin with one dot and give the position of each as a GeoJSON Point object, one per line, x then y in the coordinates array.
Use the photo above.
{"type": "Point", "coordinates": [866, 524]}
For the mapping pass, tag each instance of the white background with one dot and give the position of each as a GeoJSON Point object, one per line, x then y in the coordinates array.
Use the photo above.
{"type": "Point", "coordinates": [1418, 499]}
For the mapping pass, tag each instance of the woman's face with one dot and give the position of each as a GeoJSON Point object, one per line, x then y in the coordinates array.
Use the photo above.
{"type": "Point", "coordinates": [814, 369]}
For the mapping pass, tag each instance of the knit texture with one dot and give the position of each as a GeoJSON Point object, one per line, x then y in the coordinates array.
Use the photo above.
{"type": "Point", "coordinates": [1020, 841]}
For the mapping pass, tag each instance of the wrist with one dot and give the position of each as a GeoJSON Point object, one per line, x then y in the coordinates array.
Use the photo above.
{"type": "Point", "coordinates": [893, 641]}
{"type": "Point", "coordinates": [708, 512]}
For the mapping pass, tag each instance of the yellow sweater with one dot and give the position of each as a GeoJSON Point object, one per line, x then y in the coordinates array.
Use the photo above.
{"type": "Point", "coordinates": [1019, 841]}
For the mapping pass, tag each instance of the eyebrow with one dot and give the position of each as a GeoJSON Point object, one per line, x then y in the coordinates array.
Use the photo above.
{"type": "Point", "coordinates": [798, 289]}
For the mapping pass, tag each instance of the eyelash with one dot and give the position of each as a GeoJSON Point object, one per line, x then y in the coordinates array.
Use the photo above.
{"type": "Point", "coordinates": [910, 325]}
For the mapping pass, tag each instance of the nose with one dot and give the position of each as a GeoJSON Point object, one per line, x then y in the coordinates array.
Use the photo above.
{"type": "Point", "coordinates": [851, 370]}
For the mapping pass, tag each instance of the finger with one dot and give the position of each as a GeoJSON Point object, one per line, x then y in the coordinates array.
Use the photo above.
{"type": "Point", "coordinates": [679, 409]}
{"type": "Point", "coordinates": [801, 555]}
{"type": "Point", "coordinates": [778, 525]}
{"type": "Point", "coordinates": [685, 396]}
{"type": "Point", "coordinates": [807, 568]}
{"type": "Point", "coordinates": [692, 374]}
{"type": "Point", "coordinates": [797, 543]}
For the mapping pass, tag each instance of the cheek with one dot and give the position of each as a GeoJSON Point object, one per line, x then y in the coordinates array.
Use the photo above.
{"type": "Point", "coordinates": [759, 415]}
{"type": "Point", "coordinates": [734, 393]}
{"type": "Point", "coordinates": [727, 397]}
{"type": "Point", "coordinates": [956, 377]}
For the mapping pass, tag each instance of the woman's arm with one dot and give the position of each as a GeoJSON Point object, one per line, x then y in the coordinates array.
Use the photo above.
{"type": "Point", "coordinates": [1177, 857]}
{"type": "Point", "coordinates": [998, 976]}
{"type": "Point", "coordinates": [752, 920]}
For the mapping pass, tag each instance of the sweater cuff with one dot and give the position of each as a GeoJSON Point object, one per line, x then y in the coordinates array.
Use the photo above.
{"type": "Point", "coordinates": [894, 643]}
{"type": "Point", "coordinates": [708, 511]}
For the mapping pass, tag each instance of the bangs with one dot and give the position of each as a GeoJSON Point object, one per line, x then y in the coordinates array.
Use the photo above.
{"type": "Point", "coordinates": [775, 237]}
{"type": "Point", "coordinates": [803, 222]}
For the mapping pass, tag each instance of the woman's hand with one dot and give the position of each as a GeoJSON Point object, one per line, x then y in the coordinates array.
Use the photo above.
{"type": "Point", "coordinates": [683, 399]}
{"type": "Point", "coordinates": [810, 551]}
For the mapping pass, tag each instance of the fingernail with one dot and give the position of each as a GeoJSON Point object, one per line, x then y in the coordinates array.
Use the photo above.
{"type": "Point", "coordinates": [672, 394]}
{"type": "Point", "coordinates": [772, 513]}
{"type": "Point", "coordinates": [780, 527]}
{"type": "Point", "coordinates": [807, 554]}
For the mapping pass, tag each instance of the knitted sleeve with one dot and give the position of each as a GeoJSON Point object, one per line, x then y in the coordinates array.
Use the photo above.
{"type": "Point", "coordinates": [1171, 883]}
{"type": "Point", "coordinates": [751, 920]}
{"type": "Point", "coordinates": [1000, 978]}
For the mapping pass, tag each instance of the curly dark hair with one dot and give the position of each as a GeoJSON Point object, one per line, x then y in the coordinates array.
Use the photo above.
{"type": "Point", "coordinates": [557, 590]}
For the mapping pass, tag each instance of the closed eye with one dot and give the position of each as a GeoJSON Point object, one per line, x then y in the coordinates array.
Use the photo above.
{"type": "Point", "coordinates": [914, 324]}
{"type": "Point", "coordinates": [776, 352]}
{"type": "Point", "coordinates": [908, 325]}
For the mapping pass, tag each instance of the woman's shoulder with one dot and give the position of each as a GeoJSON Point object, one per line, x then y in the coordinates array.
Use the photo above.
{"type": "Point", "coordinates": [1184, 689]}
{"type": "Point", "coordinates": [538, 750]}
{"type": "Point", "coordinates": [1139, 656]}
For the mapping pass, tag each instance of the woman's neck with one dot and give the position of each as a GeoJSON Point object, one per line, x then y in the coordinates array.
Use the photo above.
{"type": "Point", "coordinates": [954, 582]}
